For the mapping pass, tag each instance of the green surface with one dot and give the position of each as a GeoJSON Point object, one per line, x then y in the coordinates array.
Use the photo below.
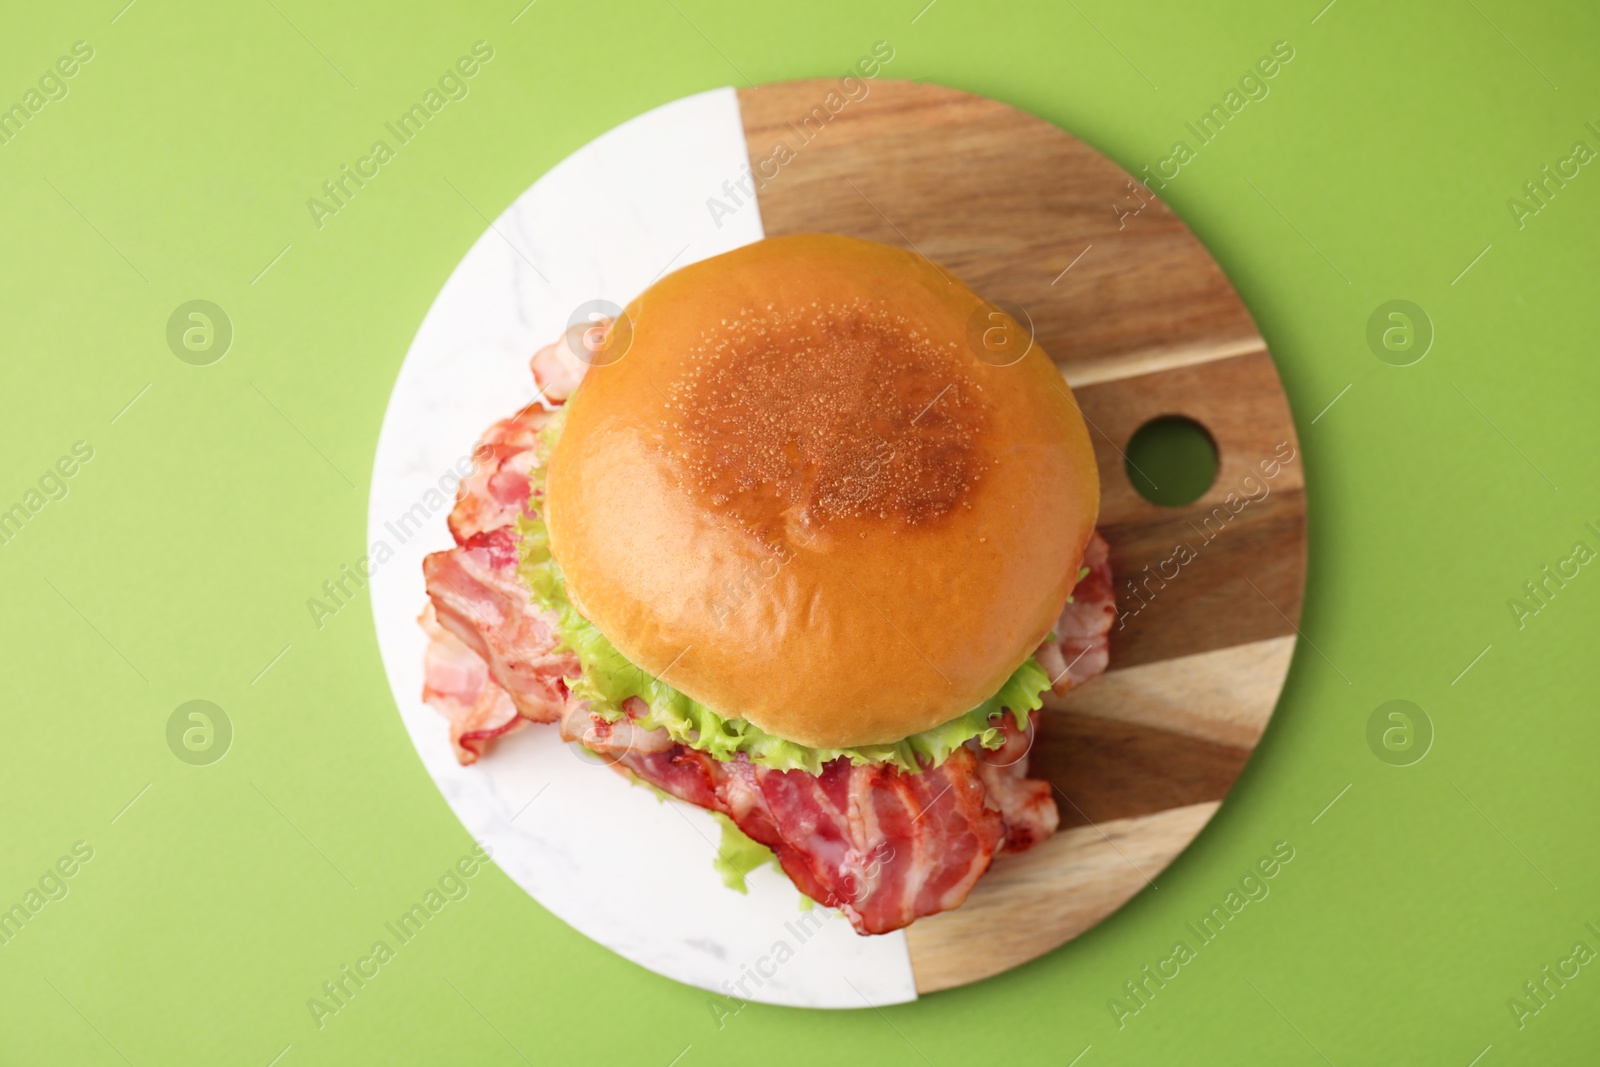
{"type": "Point", "coordinates": [177, 564]}
{"type": "Point", "coordinates": [1171, 461]}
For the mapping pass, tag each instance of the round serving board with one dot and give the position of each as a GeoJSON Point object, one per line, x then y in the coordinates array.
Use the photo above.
{"type": "Point", "coordinates": [1143, 323]}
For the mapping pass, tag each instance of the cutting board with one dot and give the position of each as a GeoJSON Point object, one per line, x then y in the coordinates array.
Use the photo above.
{"type": "Point", "coordinates": [1143, 324]}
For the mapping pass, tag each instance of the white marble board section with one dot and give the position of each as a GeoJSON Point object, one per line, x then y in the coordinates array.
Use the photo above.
{"type": "Point", "coordinates": [608, 858]}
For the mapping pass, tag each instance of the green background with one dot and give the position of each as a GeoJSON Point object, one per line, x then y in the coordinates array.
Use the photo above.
{"type": "Point", "coordinates": [179, 564]}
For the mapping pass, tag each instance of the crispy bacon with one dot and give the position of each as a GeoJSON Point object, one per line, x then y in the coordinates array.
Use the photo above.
{"type": "Point", "coordinates": [1082, 647]}
{"type": "Point", "coordinates": [686, 773]}
{"type": "Point", "coordinates": [556, 368]}
{"type": "Point", "coordinates": [479, 600]}
{"type": "Point", "coordinates": [457, 682]}
{"type": "Point", "coordinates": [883, 846]}
{"type": "Point", "coordinates": [612, 740]}
{"type": "Point", "coordinates": [496, 491]}
{"type": "Point", "coordinates": [1025, 803]}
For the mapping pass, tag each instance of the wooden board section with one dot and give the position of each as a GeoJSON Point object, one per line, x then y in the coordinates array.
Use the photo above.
{"type": "Point", "coordinates": [1143, 323]}
{"type": "Point", "coordinates": [1056, 890]}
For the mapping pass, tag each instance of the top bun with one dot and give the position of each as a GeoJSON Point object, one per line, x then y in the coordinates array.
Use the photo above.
{"type": "Point", "coordinates": [801, 497]}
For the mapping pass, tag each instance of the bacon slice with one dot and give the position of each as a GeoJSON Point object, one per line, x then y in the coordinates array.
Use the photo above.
{"type": "Point", "coordinates": [457, 683]}
{"type": "Point", "coordinates": [686, 773]}
{"type": "Point", "coordinates": [1025, 803]}
{"type": "Point", "coordinates": [478, 609]}
{"type": "Point", "coordinates": [479, 600]}
{"type": "Point", "coordinates": [557, 369]}
{"type": "Point", "coordinates": [882, 846]}
{"type": "Point", "coordinates": [496, 491]}
{"type": "Point", "coordinates": [613, 740]}
{"type": "Point", "coordinates": [1082, 648]}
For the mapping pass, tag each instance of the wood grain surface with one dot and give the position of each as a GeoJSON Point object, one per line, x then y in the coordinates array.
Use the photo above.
{"type": "Point", "coordinates": [1143, 324]}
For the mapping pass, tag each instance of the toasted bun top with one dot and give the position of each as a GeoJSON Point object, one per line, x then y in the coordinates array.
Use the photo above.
{"type": "Point", "coordinates": [801, 497]}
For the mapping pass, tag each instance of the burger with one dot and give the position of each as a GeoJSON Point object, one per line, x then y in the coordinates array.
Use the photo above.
{"type": "Point", "coordinates": [802, 537]}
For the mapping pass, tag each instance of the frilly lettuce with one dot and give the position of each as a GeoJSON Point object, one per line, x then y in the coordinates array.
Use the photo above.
{"type": "Point", "coordinates": [608, 679]}
{"type": "Point", "coordinates": [738, 854]}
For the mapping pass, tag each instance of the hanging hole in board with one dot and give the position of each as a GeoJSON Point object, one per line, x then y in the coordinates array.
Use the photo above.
{"type": "Point", "coordinates": [1171, 461]}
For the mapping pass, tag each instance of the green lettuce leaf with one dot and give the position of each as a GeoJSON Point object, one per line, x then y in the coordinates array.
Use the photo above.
{"type": "Point", "coordinates": [608, 679]}
{"type": "Point", "coordinates": [738, 855]}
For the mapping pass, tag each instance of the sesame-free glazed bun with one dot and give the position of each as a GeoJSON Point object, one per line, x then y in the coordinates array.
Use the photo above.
{"type": "Point", "coordinates": [802, 498]}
